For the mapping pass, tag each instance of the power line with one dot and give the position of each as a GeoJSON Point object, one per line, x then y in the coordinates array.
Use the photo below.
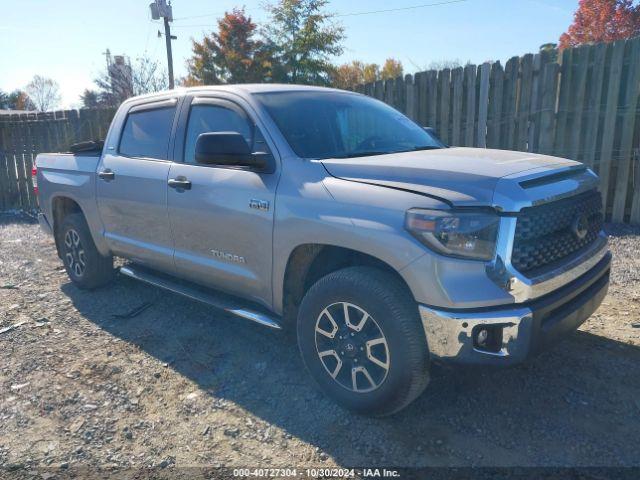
{"type": "Point", "coordinates": [351, 14]}
{"type": "Point", "coordinates": [388, 10]}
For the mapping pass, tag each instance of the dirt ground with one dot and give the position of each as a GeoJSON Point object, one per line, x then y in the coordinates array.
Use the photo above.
{"type": "Point", "coordinates": [83, 384]}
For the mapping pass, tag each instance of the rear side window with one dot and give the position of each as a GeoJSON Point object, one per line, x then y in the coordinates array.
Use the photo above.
{"type": "Point", "coordinates": [146, 133]}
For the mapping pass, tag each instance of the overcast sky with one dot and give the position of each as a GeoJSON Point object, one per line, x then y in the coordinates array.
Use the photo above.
{"type": "Point", "coordinates": [65, 39]}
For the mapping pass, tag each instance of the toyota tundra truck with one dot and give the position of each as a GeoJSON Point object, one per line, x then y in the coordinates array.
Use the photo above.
{"type": "Point", "coordinates": [331, 214]}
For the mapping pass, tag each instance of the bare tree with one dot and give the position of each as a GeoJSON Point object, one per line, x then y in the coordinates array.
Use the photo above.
{"type": "Point", "coordinates": [123, 80]}
{"type": "Point", "coordinates": [44, 93]}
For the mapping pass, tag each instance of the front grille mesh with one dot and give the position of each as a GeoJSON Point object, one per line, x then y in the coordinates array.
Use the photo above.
{"type": "Point", "coordinates": [545, 234]}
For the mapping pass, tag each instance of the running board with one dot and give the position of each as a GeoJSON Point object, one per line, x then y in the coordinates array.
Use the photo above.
{"type": "Point", "coordinates": [218, 301]}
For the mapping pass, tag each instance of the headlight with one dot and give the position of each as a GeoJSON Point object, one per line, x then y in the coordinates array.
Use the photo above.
{"type": "Point", "coordinates": [456, 234]}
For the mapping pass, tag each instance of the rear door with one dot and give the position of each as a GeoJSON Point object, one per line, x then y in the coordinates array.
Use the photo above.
{"type": "Point", "coordinates": [132, 186]}
{"type": "Point", "coordinates": [223, 225]}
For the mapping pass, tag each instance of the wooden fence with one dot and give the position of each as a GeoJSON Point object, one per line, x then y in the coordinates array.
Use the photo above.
{"type": "Point", "coordinates": [23, 136]}
{"type": "Point", "coordinates": [585, 107]}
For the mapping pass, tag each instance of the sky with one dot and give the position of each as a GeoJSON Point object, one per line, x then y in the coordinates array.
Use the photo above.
{"type": "Point", "coordinates": [66, 39]}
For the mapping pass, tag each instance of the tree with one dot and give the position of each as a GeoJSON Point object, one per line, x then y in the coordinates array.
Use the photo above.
{"type": "Point", "coordinates": [19, 100]}
{"type": "Point", "coordinates": [348, 75]}
{"type": "Point", "coordinates": [90, 99]}
{"type": "Point", "coordinates": [231, 55]}
{"type": "Point", "coordinates": [123, 80]}
{"type": "Point", "coordinates": [549, 52]}
{"type": "Point", "coordinates": [44, 93]}
{"type": "Point", "coordinates": [303, 38]}
{"type": "Point", "coordinates": [392, 68]}
{"type": "Point", "coordinates": [602, 21]}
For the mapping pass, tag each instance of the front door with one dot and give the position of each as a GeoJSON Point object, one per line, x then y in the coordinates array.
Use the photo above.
{"type": "Point", "coordinates": [223, 224]}
{"type": "Point", "coordinates": [131, 187]}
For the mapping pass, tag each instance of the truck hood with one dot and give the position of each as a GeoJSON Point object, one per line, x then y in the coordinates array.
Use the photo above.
{"type": "Point", "coordinates": [459, 176]}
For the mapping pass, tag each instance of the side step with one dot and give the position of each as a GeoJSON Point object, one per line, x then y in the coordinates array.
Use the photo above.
{"type": "Point", "coordinates": [220, 301]}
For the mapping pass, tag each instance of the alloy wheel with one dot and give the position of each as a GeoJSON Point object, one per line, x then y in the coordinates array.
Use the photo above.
{"type": "Point", "coordinates": [74, 252]}
{"type": "Point", "coordinates": [352, 347]}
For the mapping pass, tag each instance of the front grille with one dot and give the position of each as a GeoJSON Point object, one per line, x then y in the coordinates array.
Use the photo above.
{"type": "Point", "coordinates": [545, 235]}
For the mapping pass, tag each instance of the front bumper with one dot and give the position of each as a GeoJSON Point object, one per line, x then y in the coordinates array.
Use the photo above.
{"type": "Point", "coordinates": [526, 328]}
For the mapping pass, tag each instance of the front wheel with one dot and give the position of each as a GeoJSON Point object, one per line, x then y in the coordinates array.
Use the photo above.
{"type": "Point", "coordinates": [361, 339]}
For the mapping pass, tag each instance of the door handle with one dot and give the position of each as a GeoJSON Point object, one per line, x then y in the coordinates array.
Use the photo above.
{"type": "Point", "coordinates": [179, 183]}
{"type": "Point", "coordinates": [107, 175]}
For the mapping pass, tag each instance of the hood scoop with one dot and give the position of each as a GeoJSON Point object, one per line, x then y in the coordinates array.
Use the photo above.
{"type": "Point", "coordinates": [552, 178]}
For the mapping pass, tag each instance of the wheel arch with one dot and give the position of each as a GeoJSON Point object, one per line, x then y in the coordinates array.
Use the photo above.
{"type": "Point", "coordinates": [61, 206]}
{"type": "Point", "coordinates": [309, 262]}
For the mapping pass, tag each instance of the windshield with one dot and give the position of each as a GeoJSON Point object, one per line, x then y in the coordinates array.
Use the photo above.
{"type": "Point", "coordinates": [320, 125]}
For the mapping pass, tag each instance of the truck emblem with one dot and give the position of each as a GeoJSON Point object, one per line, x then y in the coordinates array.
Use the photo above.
{"type": "Point", "coordinates": [229, 257]}
{"type": "Point", "coordinates": [259, 204]}
{"type": "Point", "coordinates": [580, 226]}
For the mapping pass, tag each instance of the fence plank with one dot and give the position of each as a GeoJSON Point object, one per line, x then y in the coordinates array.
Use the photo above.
{"type": "Point", "coordinates": [594, 97]}
{"type": "Point", "coordinates": [564, 101]}
{"type": "Point", "coordinates": [378, 89]}
{"type": "Point", "coordinates": [469, 104]}
{"type": "Point", "coordinates": [483, 104]}
{"type": "Point", "coordinates": [19, 159]}
{"type": "Point", "coordinates": [509, 103]}
{"type": "Point", "coordinates": [579, 88]}
{"type": "Point", "coordinates": [549, 87]}
{"type": "Point", "coordinates": [14, 193]}
{"type": "Point", "coordinates": [444, 89]}
{"type": "Point", "coordinates": [611, 114]}
{"type": "Point", "coordinates": [524, 102]}
{"type": "Point", "coordinates": [628, 128]}
{"type": "Point", "coordinates": [420, 90]}
{"type": "Point", "coordinates": [4, 179]}
{"type": "Point", "coordinates": [432, 98]}
{"type": "Point", "coordinates": [456, 112]}
{"type": "Point", "coordinates": [410, 101]}
{"type": "Point", "coordinates": [535, 107]}
{"type": "Point", "coordinates": [494, 123]}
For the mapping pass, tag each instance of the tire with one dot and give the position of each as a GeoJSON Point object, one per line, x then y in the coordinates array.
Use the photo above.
{"type": "Point", "coordinates": [397, 368]}
{"type": "Point", "coordinates": [86, 267]}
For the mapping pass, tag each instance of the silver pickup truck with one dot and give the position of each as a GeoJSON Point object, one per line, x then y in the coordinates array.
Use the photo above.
{"type": "Point", "coordinates": [334, 215]}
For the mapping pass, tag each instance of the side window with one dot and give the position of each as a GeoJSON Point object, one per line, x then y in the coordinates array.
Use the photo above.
{"type": "Point", "coordinates": [146, 133]}
{"type": "Point", "coordinates": [213, 118]}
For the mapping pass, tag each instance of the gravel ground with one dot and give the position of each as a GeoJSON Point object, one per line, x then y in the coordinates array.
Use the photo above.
{"type": "Point", "coordinates": [83, 384]}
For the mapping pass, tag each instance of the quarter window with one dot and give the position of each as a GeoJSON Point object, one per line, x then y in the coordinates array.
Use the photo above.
{"type": "Point", "coordinates": [146, 133]}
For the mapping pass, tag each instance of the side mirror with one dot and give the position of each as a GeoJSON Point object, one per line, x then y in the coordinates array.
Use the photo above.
{"type": "Point", "coordinates": [227, 149]}
{"type": "Point", "coordinates": [432, 131]}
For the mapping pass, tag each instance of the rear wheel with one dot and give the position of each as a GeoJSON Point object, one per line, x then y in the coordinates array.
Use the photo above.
{"type": "Point", "coordinates": [361, 339]}
{"type": "Point", "coordinates": [86, 267]}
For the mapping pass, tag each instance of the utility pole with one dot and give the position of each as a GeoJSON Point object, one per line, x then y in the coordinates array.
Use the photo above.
{"type": "Point", "coordinates": [162, 9]}
{"type": "Point", "coordinates": [168, 38]}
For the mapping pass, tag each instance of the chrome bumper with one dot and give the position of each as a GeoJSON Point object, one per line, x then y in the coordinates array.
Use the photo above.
{"type": "Point", "coordinates": [526, 328]}
{"type": "Point", "coordinates": [44, 224]}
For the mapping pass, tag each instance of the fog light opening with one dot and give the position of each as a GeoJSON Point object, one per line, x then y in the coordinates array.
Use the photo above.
{"type": "Point", "coordinates": [488, 338]}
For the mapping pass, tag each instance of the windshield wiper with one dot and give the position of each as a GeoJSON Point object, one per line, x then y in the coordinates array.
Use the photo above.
{"type": "Point", "coordinates": [425, 147]}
